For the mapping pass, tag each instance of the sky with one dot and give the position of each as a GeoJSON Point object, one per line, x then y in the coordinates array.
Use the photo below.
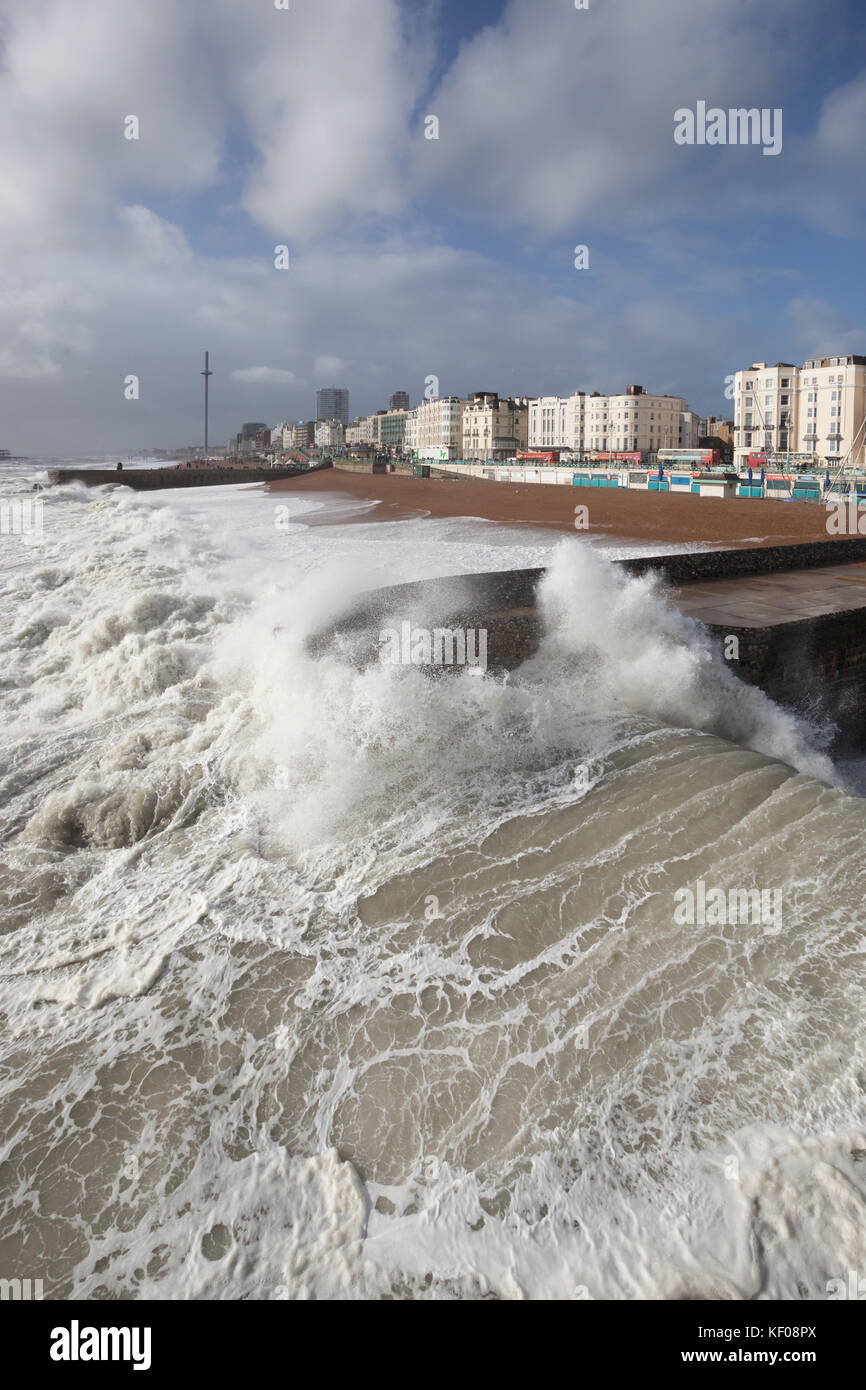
{"type": "Point", "coordinates": [409, 257]}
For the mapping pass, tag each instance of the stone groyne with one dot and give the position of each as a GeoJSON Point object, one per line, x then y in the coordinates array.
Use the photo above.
{"type": "Point", "coordinates": [151, 479]}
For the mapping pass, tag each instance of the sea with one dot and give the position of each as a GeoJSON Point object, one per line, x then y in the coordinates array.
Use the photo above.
{"type": "Point", "coordinates": [322, 980]}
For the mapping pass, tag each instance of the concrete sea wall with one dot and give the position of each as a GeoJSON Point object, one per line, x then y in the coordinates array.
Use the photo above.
{"type": "Point", "coordinates": [360, 465]}
{"type": "Point", "coordinates": [816, 665]}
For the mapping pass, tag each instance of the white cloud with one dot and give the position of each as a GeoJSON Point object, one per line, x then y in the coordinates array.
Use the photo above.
{"type": "Point", "coordinates": [327, 91]}
{"type": "Point", "coordinates": [559, 120]}
{"type": "Point", "coordinates": [264, 376]}
{"type": "Point", "coordinates": [328, 366]}
{"type": "Point", "coordinates": [35, 367]}
{"type": "Point", "coordinates": [70, 75]}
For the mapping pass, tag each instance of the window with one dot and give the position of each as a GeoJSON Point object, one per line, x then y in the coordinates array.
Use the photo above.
{"type": "Point", "coordinates": [784, 400]}
{"type": "Point", "coordinates": [786, 381]}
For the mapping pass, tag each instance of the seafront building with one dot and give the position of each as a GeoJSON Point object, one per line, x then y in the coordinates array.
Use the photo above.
{"type": "Point", "coordinates": [389, 429]}
{"type": "Point", "coordinates": [493, 427]}
{"type": "Point", "coordinates": [634, 421]}
{"type": "Point", "coordinates": [439, 428]}
{"type": "Point", "coordinates": [304, 434]}
{"type": "Point", "coordinates": [629, 423]}
{"type": "Point", "coordinates": [410, 432]}
{"type": "Point", "coordinates": [489, 428]}
{"type": "Point", "coordinates": [549, 423]}
{"type": "Point", "coordinates": [329, 434]}
{"type": "Point", "coordinates": [690, 429]}
{"type": "Point", "coordinates": [813, 414]}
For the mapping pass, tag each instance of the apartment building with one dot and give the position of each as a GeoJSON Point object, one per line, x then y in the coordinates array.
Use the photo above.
{"type": "Point", "coordinates": [815, 412]}
{"type": "Point", "coordinates": [304, 434]}
{"type": "Point", "coordinates": [329, 434]}
{"type": "Point", "coordinates": [389, 429]}
{"type": "Point", "coordinates": [362, 430]}
{"type": "Point", "coordinates": [549, 423]}
{"type": "Point", "coordinates": [410, 432]}
{"type": "Point", "coordinates": [625, 423]}
{"type": "Point", "coordinates": [634, 421]}
{"type": "Point", "coordinates": [438, 428]}
{"type": "Point", "coordinates": [690, 429]}
{"type": "Point", "coordinates": [494, 427]}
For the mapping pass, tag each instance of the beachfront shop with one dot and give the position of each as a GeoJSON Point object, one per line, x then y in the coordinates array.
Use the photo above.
{"type": "Point", "coordinates": [687, 471]}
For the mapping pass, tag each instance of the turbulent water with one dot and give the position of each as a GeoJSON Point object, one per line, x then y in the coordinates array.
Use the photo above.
{"type": "Point", "coordinates": [321, 981]}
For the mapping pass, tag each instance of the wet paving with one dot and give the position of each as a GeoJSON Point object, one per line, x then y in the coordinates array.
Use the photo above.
{"type": "Point", "coordinates": [763, 600]}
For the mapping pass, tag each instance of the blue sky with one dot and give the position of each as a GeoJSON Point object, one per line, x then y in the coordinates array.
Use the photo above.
{"type": "Point", "coordinates": [412, 257]}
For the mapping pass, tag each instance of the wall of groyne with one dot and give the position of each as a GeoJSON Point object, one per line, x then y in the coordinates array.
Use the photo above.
{"type": "Point", "coordinates": [816, 666]}
{"type": "Point", "coordinates": [151, 479]}
{"type": "Point", "coordinates": [361, 465]}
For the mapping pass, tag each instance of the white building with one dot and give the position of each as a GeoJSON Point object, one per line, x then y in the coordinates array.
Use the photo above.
{"type": "Point", "coordinates": [629, 423]}
{"type": "Point", "coordinates": [439, 428]}
{"type": "Point", "coordinates": [329, 434]}
{"type": "Point", "coordinates": [550, 424]}
{"type": "Point", "coordinates": [410, 433]}
{"type": "Point", "coordinates": [633, 422]}
{"type": "Point", "coordinates": [368, 429]}
{"type": "Point", "coordinates": [690, 429]}
{"type": "Point", "coordinates": [815, 412]}
{"type": "Point", "coordinates": [494, 427]}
